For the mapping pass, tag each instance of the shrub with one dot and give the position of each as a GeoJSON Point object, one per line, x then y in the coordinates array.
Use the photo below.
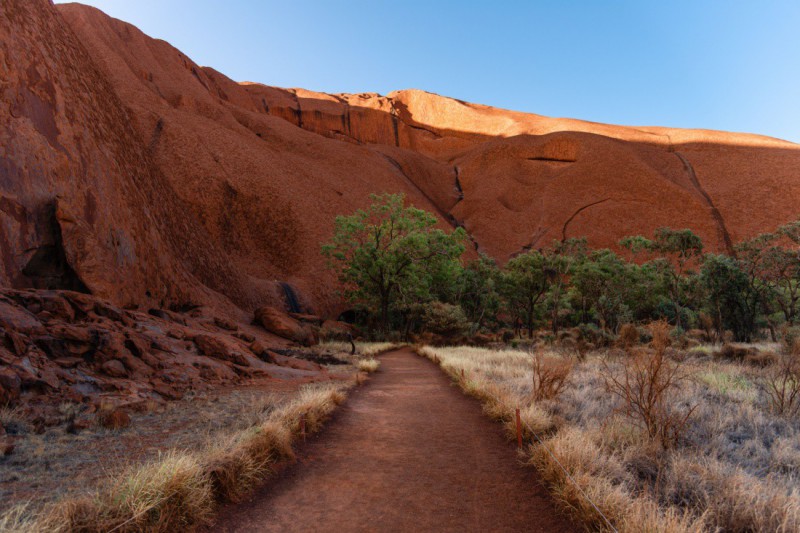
{"type": "Point", "coordinates": [368, 365]}
{"type": "Point", "coordinates": [647, 386]}
{"type": "Point", "coordinates": [789, 337]}
{"type": "Point", "coordinates": [445, 319]}
{"type": "Point", "coordinates": [628, 336]}
{"type": "Point", "coordinates": [550, 376]}
{"type": "Point", "coordinates": [782, 385]}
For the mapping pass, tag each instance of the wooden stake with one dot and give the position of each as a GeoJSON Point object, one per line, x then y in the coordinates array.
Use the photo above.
{"type": "Point", "coordinates": [519, 430]}
{"type": "Point", "coordinates": [462, 374]}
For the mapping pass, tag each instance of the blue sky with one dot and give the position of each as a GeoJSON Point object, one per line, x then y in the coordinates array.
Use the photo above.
{"type": "Point", "coordinates": [728, 65]}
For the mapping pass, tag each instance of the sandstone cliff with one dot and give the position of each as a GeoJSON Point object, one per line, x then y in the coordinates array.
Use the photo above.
{"type": "Point", "coordinates": [128, 171]}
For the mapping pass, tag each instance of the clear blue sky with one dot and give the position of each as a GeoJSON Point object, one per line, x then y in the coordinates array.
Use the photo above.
{"type": "Point", "coordinates": [729, 65]}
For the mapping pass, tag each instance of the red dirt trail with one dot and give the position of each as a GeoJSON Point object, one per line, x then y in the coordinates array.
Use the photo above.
{"type": "Point", "coordinates": [406, 452]}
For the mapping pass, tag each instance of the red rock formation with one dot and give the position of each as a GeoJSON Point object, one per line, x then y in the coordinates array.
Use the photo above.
{"type": "Point", "coordinates": [129, 171]}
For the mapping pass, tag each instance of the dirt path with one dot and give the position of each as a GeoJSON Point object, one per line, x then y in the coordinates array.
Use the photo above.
{"type": "Point", "coordinates": [407, 452]}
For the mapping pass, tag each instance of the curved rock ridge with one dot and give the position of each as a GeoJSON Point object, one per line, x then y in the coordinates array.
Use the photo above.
{"type": "Point", "coordinates": [131, 172]}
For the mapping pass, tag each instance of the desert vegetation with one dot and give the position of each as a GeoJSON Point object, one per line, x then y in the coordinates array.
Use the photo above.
{"type": "Point", "coordinates": [180, 488]}
{"type": "Point", "coordinates": [407, 280]}
{"type": "Point", "coordinates": [658, 385]}
{"type": "Point", "coordinates": [170, 467]}
{"type": "Point", "coordinates": [659, 438]}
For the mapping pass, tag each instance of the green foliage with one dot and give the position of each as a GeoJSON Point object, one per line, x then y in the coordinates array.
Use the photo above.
{"type": "Point", "coordinates": [524, 283]}
{"type": "Point", "coordinates": [445, 319]}
{"type": "Point", "coordinates": [674, 251]}
{"type": "Point", "coordinates": [389, 254]}
{"type": "Point", "coordinates": [395, 264]}
{"type": "Point", "coordinates": [728, 297]}
{"type": "Point", "coordinates": [478, 290]}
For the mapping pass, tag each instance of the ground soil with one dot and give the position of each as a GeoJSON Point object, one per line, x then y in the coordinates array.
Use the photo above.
{"type": "Point", "coordinates": [406, 452]}
{"type": "Point", "coordinates": [44, 467]}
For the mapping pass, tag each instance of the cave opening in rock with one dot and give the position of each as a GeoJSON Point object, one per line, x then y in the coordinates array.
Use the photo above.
{"type": "Point", "coordinates": [49, 268]}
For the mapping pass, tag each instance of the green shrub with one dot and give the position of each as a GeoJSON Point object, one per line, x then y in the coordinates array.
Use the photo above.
{"type": "Point", "coordinates": [445, 319]}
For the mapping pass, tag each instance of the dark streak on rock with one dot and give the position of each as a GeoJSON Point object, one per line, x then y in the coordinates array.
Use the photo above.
{"type": "Point", "coordinates": [564, 229]}
{"type": "Point", "coordinates": [722, 231]}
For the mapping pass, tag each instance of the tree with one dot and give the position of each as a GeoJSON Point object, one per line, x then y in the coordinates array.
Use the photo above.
{"type": "Point", "coordinates": [560, 262]}
{"type": "Point", "coordinates": [390, 252]}
{"type": "Point", "coordinates": [524, 282]}
{"type": "Point", "coordinates": [731, 299]}
{"type": "Point", "coordinates": [676, 251]}
{"type": "Point", "coordinates": [604, 285]}
{"type": "Point", "coordinates": [478, 290]}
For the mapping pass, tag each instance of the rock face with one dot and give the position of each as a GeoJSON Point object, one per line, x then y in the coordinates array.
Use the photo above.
{"type": "Point", "coordinates": [130, 172]}
{"type": "Point", "coordinates": [64, 347]}
{"type": "Point", "coordinates": [286, 326]}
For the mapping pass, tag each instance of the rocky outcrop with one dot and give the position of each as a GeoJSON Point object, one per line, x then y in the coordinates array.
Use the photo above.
{"type": "Point", "coordinates": [61, 347]}
{"type": "Point", "coordinates": [129, 172]}
{"type": "Point", "coordinates": [297, 328]}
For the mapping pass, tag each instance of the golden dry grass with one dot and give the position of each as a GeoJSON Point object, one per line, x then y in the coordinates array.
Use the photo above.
{"type": "Point", "coordinates": [363, 349]}
{"type": "Point", "coordinates": [181, 489]}
{"type": "Point", "coordinates": [736, 469]}
{"type": "Point", "coordinates": [368, 365]}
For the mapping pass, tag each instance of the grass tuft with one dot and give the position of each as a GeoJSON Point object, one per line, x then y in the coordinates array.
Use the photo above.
{"type": "Point", "coordinates": [180, 490]}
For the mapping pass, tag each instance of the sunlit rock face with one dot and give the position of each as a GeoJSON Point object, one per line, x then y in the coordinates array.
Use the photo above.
{"type": "Point", "coordinates": [128, 171]}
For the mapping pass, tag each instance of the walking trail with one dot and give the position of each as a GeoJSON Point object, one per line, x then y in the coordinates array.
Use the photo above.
{"type": "Point", "coordinates": [406, 452]}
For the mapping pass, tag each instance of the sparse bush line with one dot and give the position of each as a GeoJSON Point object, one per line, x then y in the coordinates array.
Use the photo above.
{"type": "Point", "coordinates": [180, 490]}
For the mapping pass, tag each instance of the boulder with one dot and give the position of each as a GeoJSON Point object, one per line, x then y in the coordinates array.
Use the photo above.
{"type": "Point", "coordinates": [213, 346]}
{"type": "Point", "coordinates": [283, 325]}
{"type": "Point", "coordinates": [293, 362]}
{"type": "Point", "coordinates": [58, 307]}
{"type": "Point", "coordinates": [114, 368]}
{"type": "Point", "coordinates": [224, 323]}
{"type": "Point", "coordinates": [306, 318]}
{"type": "Point", "coordinates": [19, 319]}
{"type": "Point", "coordinates": [10, 385]}
{"type": "Point", "coordinates": [115, 418]}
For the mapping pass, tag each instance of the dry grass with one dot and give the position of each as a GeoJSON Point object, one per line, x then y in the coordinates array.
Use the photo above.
{"type": "Point", "coordinates": [737, 467]}
{"type": "Point", "coordinates": [368, 365]}
{"type": "Point", "coordinates": [180, 490]}
{"type": "Point", "coordinates": [364, 349]}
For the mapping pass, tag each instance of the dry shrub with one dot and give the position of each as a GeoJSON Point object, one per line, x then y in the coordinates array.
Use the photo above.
{"type": "Point", "coordinates": [730, 499]}
{"type": "Point", "coordinates": [534, 420]}
{"type": "Point", "coordinates": [729, 352]}
{"type": "Point", "coordinates": [368, 365]}
{"type": "Point", "coordinates": [790, 335]}
{"type": "Point", "coordinates": [660, 332]}
{"type": "Point", "coordinates": [628, 336]}
{"type": "Point", "coordinates": [710, 328]}
{"type": "Point", "coordinates": [168, 494]}
{"type": "Point", "coordinates": [604, 481]}
{"type": "Point", "coordinates": [240, 464]}
{"type": "Point", "coordinates": [782, 385]}
{"type": "Point", "coordinates": [550, 376]}
{"type": "Point", "coordinates": [762, 359]}
{"type": "Point", "coordinates": [647, 387]}
{"type": "Point", "coordinates": [179, 491]}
